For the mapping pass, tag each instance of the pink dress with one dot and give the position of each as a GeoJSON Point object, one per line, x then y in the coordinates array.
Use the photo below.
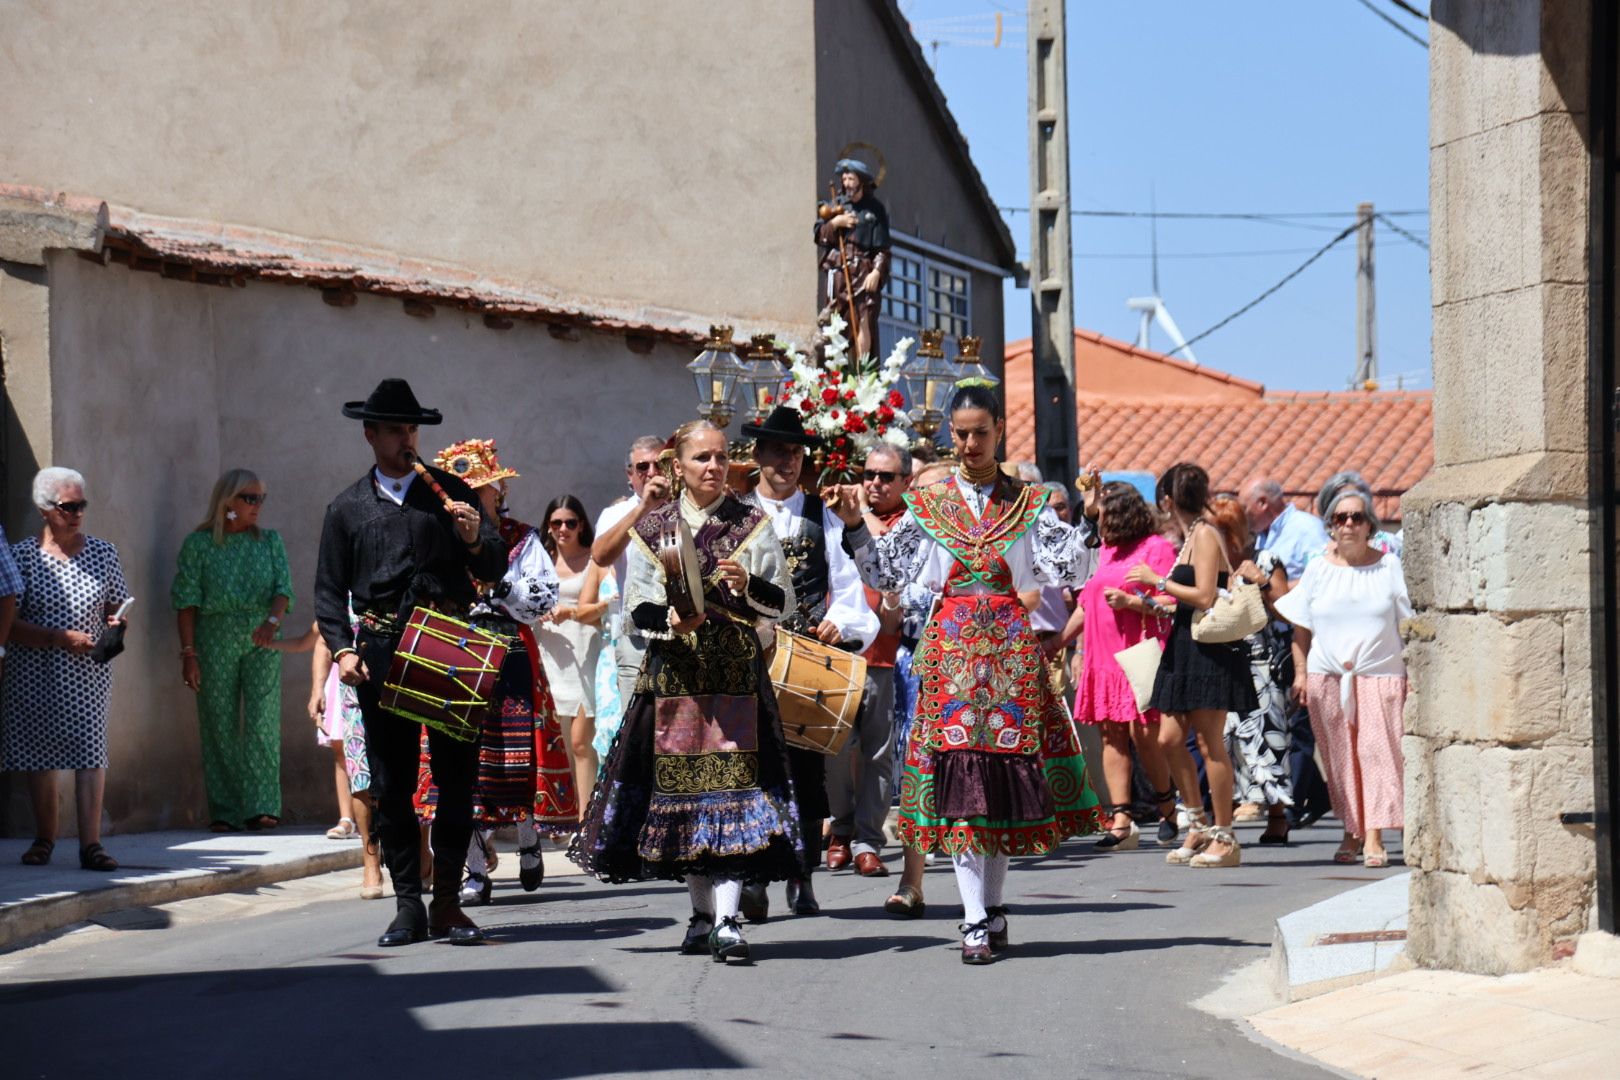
{"type": "Point", "coordinates": [1105, 692]}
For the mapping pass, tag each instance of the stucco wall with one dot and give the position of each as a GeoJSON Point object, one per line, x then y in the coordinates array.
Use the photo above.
{"type": "Point", "coordinates": [615, 149]}
{"type": "Point", "coordinates": [1499, 724]}
{"type": "Point", "coordinates": [160, 385]}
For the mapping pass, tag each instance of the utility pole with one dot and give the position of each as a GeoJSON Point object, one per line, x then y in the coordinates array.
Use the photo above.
{"type": "Point", "coordinates": [1366, 376]}
{"type": "Point", "coordinates": [1051, 253]}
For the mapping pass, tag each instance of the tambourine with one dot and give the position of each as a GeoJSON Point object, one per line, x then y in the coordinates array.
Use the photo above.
{"type": "Point", "coordinates": [683, 582]}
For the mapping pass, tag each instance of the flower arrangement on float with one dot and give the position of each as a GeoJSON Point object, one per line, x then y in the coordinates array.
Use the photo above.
{"type": "Point", "coordinates": [853, 407]}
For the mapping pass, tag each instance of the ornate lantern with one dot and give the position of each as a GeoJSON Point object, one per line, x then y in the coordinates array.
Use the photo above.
{"type": "Point", "coordinates": [971, 367]}
{"type": "Point", "coordinates": [929, 379]}
{"type": "Point", "coordinates": [761, 377]}
{"type": "Point", "coordinates": [716, 371]}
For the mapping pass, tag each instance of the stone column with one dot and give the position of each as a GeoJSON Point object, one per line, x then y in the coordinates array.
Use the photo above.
{"type": "Point", "coordinates": [1499, 723]}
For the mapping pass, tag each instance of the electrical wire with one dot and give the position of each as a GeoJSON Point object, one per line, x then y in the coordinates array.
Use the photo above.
{"type": "Point", "coordinates": [1412, 11]}
{"type": "Point", "coordinates": [1298, 270]}
{"type": "Point", "coordinates": [1278, 215]}
{"type": "Point", "coordinates": [1418, 240]}
{"type": "Point", "coordinates": [1370, 6]}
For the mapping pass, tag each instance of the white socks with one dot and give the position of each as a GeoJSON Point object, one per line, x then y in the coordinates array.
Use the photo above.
{"type": "Point", "coordinates": [980, 879]}
{"type": "Point", "coordinates": [477, 863]}
{"type": "Point", "coordinates": [727, 895]}
{"type": "Point", "coordinates": [702, 889]}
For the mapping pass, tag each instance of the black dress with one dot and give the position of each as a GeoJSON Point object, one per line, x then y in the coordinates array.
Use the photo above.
{"type": "Point", "coordinates": [1193, 675]}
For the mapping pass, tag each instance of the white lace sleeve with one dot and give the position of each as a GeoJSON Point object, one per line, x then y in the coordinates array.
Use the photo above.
{"type": "Point", "coordinates": [1061, 554]}
{"type": "Point", "coordinates": [889, 561]}
{"type": "Point", "coordinates": [531, 585]}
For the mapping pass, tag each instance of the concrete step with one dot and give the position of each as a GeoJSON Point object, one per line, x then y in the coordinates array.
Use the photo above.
{"type": "Point", "coordinates": [1341, 941]}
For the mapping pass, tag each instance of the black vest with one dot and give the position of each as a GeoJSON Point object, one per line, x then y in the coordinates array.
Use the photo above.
{"type": "Point", "coordinates": [807, 564]}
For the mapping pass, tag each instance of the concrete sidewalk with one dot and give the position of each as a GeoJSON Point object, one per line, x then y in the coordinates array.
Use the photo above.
{"type": "Point", "coordinates": [154, 868]}
{"type": "Point", "coordinates": [1561, 1021]}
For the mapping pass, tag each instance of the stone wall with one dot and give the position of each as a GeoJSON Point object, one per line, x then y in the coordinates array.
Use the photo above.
{"type": "Point", "coordinates": [1499, 724]}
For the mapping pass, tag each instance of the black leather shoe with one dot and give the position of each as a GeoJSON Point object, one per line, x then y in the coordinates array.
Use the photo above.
{"type": "Point", "coordinates": [756, 903]}
{"type": "Point", "coordinates": [408, 928]}
{"type": "Point", "coordinates": [996, 917]}
{"type": "Point", "coordinates": [696, 941]}
{"type": "Point", "coordinates": [530, 877]}
{"type": "Point", "coordinates": [726, 942]}
{"type": "Point", "coordinates": [447, 920]}
{"type": "Point", "coordinates": [801, 897]}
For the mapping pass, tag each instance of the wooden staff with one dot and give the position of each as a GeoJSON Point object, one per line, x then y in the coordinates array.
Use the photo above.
{"type": "Point", "coordinates": [849, 285]}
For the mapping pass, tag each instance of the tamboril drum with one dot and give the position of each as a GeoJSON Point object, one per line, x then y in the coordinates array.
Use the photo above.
{"type": "Point", "coordinates": [443, 673]}
{"type": "Point", "coordinates": [818, 690]}
{"type": "Point", "coordinates": [683, 582]}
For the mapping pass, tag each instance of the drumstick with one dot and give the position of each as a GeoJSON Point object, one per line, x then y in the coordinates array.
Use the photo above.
{"type": "Point", "coordinates": [422, 471]}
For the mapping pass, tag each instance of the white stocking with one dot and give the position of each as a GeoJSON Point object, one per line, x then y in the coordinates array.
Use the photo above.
{"type": "Point", "coordinates": [970, 883]}
{"type": "Point", "coordinates": [477, 865]}
{"type": "Point", "coordinates": [702, 889]}
{"type": "Point", "coordinates": [995, 879]}
{"type": "Point", "coordinates": [727, 895]}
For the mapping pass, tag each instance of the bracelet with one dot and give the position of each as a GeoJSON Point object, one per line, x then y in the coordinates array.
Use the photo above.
{"type": "Point", "coordinates": [340, 653]}
{"type": "Point", "coordinates": [886, 606]}
{"type": "Point", "coordinates": [188, 651]}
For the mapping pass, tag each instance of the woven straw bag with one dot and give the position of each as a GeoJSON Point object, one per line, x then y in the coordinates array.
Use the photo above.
{"type": "Point", "coordinates": [1236, 614]}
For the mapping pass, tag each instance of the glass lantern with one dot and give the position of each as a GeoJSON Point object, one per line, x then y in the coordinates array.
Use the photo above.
{"type": "Point", "coordinates": [761, 378]}
{"type": "Point", "coordinates": [969, 366]}
{"type": "Point", "coordinates": [716, 371]}
{"type": "Point", "coordinates": [929, 380]}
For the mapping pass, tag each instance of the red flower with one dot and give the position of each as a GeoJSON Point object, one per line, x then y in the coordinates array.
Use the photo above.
{"type": "Point", "coordinates": [769, 398]}
{"type": "Point", "coordinates": [830, 396]}
{"type": "Point", "coordinates": [834, 414]}
{"type": "Point", "coordinates": [884, 414]}
{"type": "Point", "coordinates": [896, 399]}
{"type": "Point", "coordinates": [849, 395]}
{"type": "Point", "coordinates": [854, 424]}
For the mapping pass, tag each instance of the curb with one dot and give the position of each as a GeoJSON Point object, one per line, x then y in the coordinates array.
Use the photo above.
{"type": "Point", "coordinates": [30, 919]}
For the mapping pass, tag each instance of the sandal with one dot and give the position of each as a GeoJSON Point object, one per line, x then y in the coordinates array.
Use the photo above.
{"type": "Point", "coordinates": [1375, 860]}
{"type": "Point", "coordinates": [262, 822]}
{"type": "Point", "coordinates": [223, 827]}
{"type": "Point", "coordinates": [1349, 852]}
{"type": "Point", "coordinates": [95, 857]}
{"type": "Point", "coordinates": [39, 852]}
{"type": "Point", "coordinates": [345, 829]}
{"type": "Point", "coordinates": [906, 902]}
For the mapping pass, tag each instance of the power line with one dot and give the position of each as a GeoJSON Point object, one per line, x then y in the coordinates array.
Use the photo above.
{"type": "Point", "coordinates": [1418, 240]}
{"type": "Point", "coordinates": [1370, 6]}
{"type": "Point", "coordinates": [1300, 269]}
{"type": "Point", "coordinates": [1269, 215]}
{"type": "Point", "coordinates": [1412, 11]}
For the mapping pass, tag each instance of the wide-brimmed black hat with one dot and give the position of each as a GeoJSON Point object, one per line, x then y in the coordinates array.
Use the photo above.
{"type": "Point", "coordinates": [784, 425]}
{"type": "Point", "coordinates": [392, 403]}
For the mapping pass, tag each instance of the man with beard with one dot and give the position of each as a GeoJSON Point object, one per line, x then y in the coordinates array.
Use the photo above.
{"type": "Point", "coordinates": [830, 606]}
{"type": "Point", "coordinates": [862, 222]}
{"type": "Point", "coordinates": [391, 544]}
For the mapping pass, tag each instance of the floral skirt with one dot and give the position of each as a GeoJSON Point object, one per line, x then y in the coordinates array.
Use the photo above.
{"type": "Point", "coordinates": [992, 762]}
{"type": "Point", "coordinates": [697, 779]}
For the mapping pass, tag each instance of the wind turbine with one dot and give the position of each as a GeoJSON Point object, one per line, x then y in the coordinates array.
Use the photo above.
{"type": "Point", "coordinates": [1153, 308]}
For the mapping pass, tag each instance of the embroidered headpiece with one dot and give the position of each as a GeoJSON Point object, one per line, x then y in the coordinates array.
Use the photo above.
{"type": "Point", "coordinates": [473, 461]}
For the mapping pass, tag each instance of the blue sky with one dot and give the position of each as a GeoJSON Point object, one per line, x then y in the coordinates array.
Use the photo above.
{"type": "Point", "coordinates": [1242, 106]}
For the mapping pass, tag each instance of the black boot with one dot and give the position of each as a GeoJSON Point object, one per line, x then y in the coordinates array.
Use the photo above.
{"type": "Point", "coordinates": [409, 925]}
{"type": "Point", "coordinates": [756, 903]}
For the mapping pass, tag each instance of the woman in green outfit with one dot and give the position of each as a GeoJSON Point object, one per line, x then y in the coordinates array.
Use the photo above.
{"type": "Point", "coordinates": [232, 589]}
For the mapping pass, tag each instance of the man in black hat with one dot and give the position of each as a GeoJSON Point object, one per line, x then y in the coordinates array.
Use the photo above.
{"type": "Point", "coordinates": [862, 222]}
{"type": "Point", "coordinates": [391, 544]}
{"type": "Point", "coordinates": [831, 606]}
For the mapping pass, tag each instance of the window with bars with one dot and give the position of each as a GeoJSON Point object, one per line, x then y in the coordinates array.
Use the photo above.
{"type": "Point", "coordinates": [924, 293]}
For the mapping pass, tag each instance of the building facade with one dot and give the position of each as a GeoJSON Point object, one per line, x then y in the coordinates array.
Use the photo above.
{"type": "Point", "coordinates": [532, 211]}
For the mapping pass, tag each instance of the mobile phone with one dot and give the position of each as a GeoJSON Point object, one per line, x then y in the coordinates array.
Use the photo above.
{"type": "Point", "coordinates": [123, 609]}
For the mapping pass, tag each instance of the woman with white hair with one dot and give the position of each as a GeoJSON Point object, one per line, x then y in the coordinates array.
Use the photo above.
{"type": "Point", "coordinates": [1346, 610]}
{"type": "Point", "coordinates": [56, 690]}
{"type": "Point", "coordinates": [231, 590]}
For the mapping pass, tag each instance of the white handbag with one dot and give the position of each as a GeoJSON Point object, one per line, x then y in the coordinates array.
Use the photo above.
{"type": "Point", "coordinates": [1238, 611]}
{"type": "Point", "coordinates": [1140, 663]}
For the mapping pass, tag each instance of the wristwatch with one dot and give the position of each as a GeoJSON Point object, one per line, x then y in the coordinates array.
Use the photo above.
{"type": "Point", "coordinates": [2, 652]}
{"type": "Point", "coordinates": [274, 620]}
{"type": "Point", "coordinates": [1163, 584]}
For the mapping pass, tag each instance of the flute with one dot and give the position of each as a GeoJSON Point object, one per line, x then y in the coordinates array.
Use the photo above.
{"type": "Point", "coordinates": [422, 471]}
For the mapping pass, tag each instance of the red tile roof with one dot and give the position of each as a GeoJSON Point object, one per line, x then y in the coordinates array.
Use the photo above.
{"type": "Point", "coordinates": [1298, 439]}
{"type": "Point", "coordinates": [221, 254]}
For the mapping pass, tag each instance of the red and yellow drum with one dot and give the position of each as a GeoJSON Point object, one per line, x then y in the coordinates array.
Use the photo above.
{"type": "Point", "coordinates": [443, 673]}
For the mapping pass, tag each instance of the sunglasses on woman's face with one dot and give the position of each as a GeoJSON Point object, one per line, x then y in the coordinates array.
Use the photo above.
{"type": "Point", "coordinates": [251, 499]}
{"type": "Point", "coordinates": [565, 523]}
{"type": "Point", "coordinates": [1353, 517]}
{"type": "Point", "coordinates": [71, 508]}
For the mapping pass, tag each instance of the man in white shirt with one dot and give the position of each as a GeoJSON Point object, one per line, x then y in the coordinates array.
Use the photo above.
{"type": "Point", "coordinates": [831, 607]}
{"type": "Point", "coordinates": [612, 544]}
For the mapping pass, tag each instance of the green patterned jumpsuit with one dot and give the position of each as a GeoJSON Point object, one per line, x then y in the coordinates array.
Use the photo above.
{"type": "Point", "coordinates": [231, 584]}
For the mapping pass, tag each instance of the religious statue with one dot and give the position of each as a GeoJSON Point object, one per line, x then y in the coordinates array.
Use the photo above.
{"type": "Point", "coordinates": [852, 232]}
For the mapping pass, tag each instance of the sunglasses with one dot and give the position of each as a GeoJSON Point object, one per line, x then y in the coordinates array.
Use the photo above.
{"type": "Point", "coordinates": [75, 507]}
{"type": "Point", "coordinates": [1353, 517]}
{"type": "Point", "coordinates": [564, 523]}
{"type": "Point", "coordinates": [253, 500]}
{"type": "Point", "coordinates": [881, 475]}
{"type": "Point", "coordinates": [644, 466]}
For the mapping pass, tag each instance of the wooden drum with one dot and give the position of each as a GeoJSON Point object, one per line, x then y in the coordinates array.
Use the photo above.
{"type": "Point", "coordinates": [818, 689]}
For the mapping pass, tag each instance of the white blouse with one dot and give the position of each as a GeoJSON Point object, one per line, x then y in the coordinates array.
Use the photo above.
{"type": "Point", "coordinates": [1050, 553]}
{"type": "Point", "coordinates": [1353, 614]}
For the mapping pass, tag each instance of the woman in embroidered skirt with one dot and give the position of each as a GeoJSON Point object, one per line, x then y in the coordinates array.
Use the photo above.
{"type": "Point", "coordinates": [993, 768]}
{"type": "Point", "coordinates": [696, 784]}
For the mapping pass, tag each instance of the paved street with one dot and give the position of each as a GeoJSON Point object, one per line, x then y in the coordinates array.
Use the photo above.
{"type": "Point", "coordinates": [581, 980]}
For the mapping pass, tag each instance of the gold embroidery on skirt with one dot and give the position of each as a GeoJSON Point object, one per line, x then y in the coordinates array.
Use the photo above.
{"type": "Point", "coordinates": [677, 775]}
